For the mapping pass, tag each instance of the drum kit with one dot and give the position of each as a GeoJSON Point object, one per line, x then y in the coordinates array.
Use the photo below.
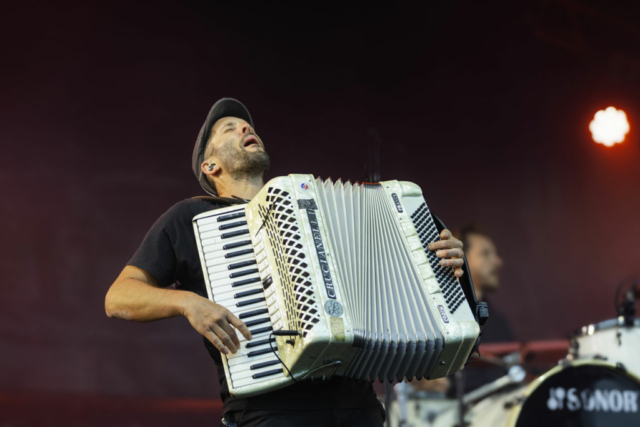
{"type": "Point", "coordinates": [595, 383]}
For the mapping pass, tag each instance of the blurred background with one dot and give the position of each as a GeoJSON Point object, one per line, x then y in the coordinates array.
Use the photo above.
{"type": "Point", "coordinates": [485, 105]}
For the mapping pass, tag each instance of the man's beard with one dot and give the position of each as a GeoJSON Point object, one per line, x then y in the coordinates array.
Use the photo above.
{"type": "Point", "coordinates": [242, 164]}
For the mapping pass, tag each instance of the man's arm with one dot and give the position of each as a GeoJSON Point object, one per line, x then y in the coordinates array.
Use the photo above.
{"type": "Point", "coordinates": [135, 296]}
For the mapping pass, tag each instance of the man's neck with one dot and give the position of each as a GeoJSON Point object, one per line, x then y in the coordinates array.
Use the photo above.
{"type": "Point", "coordinates": [243, 188]}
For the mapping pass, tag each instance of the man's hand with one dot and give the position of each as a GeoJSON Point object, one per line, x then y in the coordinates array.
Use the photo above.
{"type": "Point", "coordinates": [450, 250]}
{"type": "Point", "coordinates": [215, 323]}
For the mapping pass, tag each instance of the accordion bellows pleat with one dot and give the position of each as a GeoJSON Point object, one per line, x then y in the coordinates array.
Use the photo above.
{"type": "Point", "coordinates": [347, 266]}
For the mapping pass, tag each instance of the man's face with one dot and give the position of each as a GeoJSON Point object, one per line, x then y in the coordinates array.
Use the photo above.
{"type": "Point", "coordinates": [236, 147]}
{"type": "Point", "coordinates": [484, 263]}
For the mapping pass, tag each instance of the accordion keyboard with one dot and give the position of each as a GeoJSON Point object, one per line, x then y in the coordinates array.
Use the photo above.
{"type": "Point", "coordinates": [235, 283]}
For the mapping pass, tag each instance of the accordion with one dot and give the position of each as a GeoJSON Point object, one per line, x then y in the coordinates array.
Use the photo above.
{"type": "Point", "coordinates": [335, 279]}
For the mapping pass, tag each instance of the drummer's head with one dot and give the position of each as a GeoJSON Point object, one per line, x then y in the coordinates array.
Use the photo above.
{"type": "Point", "coordinates": [484, 262]}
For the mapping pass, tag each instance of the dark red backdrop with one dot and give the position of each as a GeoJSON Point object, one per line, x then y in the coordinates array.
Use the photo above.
{"type": "Point", "coordinates": [102, 101]}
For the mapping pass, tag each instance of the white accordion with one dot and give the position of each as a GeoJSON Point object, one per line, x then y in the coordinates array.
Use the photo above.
{"type": "Point", "coordinates": [346, 268]}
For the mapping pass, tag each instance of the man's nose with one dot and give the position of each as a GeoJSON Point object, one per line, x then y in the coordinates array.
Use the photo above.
{"type": "Point", "coordinates": [245, 128]}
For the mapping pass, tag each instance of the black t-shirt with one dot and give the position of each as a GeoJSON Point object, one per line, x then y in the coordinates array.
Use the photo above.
{"type": "Point", "coordinates": [169, 253]}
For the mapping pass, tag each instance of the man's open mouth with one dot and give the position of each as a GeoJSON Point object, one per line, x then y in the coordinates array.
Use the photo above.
{"type": "Point", "coordinates": [250, 140]}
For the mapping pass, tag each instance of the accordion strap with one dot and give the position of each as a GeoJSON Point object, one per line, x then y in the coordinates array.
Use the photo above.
{"type": "Point", "coordinates": [480, 310]}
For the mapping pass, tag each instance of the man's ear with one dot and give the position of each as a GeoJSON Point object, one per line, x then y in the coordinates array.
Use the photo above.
{"type": "Point", "coordinates": [210, 168]}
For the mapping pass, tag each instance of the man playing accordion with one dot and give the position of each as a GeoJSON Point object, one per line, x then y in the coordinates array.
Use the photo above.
{"type": "Point", "coordinates": [230, 162]}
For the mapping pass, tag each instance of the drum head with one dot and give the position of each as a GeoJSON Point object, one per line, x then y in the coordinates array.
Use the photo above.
{"type": "Point", "coordinates": [586, 394]}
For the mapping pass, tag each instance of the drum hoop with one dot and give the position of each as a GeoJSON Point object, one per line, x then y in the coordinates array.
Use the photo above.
{"type": "Point", "coordinates": [515, 413]}
{"type": "Point", "coordinates": [601, 326]}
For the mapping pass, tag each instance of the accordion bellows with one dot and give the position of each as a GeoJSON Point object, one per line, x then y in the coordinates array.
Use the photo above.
{"type": "Point", "coordinates": [347, 266]}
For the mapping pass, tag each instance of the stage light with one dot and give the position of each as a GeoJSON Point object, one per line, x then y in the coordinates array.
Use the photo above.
{"type": "Point", "coordinates": [609, 126]}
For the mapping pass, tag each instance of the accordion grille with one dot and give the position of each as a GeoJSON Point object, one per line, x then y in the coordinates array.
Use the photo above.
{"type": "Point", "coordinates": [428, 233]}
{"type": "Point", "coordinates": [284, 232]}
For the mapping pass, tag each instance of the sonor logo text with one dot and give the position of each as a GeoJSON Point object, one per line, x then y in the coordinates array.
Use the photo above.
{"type": "Point", "coordinates": [589, 400]}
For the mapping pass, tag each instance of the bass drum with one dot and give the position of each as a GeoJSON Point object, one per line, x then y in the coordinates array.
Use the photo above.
{"type": "Point", "coordinates": [585, 393]}
{"type": "Point", "coordinates": [610, 340]}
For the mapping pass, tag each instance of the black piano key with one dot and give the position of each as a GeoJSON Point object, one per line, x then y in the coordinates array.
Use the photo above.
{"type": "Point", "coordinates": [243, 273]}
{"type": "Point", "coordinates": [253, 313]}
{"type": "Point", "coordinates": [259, 343]}
{"type": "Point", "coordinates": [234, 233]}
{"type": "Point", "coordinates": [241, 264]}
{"type": "Point", "coordinates": [266, 374]}
{"type": "Point", "coordinates": [261, 330]}
{"type": "Point", "coordinates": [264, 364]}
{"type": "Point", "coordinates": [236, 244]}
{"type": "Point", "coordinates": [239, 253]}
{"type": "Point", "coordinates": [256, 321]}
{"type": "Point", "coordinates": [267, 282]}
{"type": "Point", "coordinates": [247, 293]}
{"type": "Point", "coordinates": [231, 216]}
{"type": "Point", "coordinates": [249, 302]}
{"type": "Point", "coordinates": [232, 225]}
{"type": "Point", "coordinates": [260, 352]}
{"type": "Point", "coordinates": [245, 282]}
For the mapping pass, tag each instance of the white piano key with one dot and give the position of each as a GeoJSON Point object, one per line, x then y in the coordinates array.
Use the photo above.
{"type": "Point", "coordinates": [255, 337]}
{"type": "Point", "coordinates": [237, 310]}
{"type": "Point", "coordinates": [214, 264]}
{"type": "Point", "coordinates": [273, 299]}
{"type": "Point", "coordinates": [241, 367]}
{"type": "Point", "coordinates": [249, 381]}
{"type": "Point", "coordinates": [263, 265]}
{"type": "Point", "coordinates": [273, 309]}
{"type": "Point", "coordinates": [244, 351]}
{"type": "Point", "coordinates": [223, 289]}
{"type": "Point", "coordinates": [218, 250]}
{"type": "Point", "coordinates": [226, 275]}
{"type": "Point", "coordinates": [221, 235]}
{"type": "Point", "coordinates": [216, 244]}
{"type": "Point", "coordinates": [229, 295]}
{"type": "Point", "coordinates": [265, 273]}
{"type": "Point", "coordinates": [269, 291]}
{"type": "Point", "coordinates": [213, 218]}
{"type": "Point", "coordinates": [249, 373]}
{"type": "Point", "coordinates": [232, 302]}
{"type": "Point", "coordinates": [234, 361]}
{"type": "Point", "coordinates": [207, 226]}
{"type": "Point", "coordinates": [223, 284]}
{"type": "Point", "coordinates": [242, 310]}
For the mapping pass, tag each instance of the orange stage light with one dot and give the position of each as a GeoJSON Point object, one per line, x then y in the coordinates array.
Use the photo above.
{"type": "Point", "coordinates": [609, 126]}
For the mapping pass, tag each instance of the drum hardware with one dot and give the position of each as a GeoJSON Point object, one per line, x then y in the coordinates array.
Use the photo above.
{"type": "Point", "coordinates": [515, 375]}
{"type": "Point", "coordinates": [513, 402]}
{"type": "Point", "coordinates": [627, 308]}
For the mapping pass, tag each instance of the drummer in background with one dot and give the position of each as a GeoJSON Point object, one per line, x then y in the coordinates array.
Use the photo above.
{"type": "Point", "coordinates": [485, 265]}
